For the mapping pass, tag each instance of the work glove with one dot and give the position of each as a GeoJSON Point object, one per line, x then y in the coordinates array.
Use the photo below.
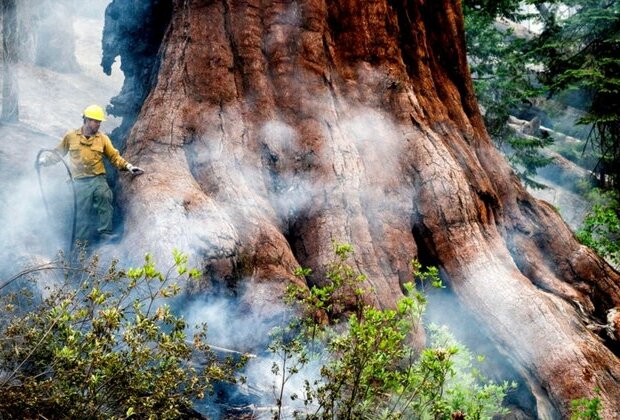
{"type": "Point", "coordinates": [134, 169]}
{"type": "Point", "coordinates": [45, 160]}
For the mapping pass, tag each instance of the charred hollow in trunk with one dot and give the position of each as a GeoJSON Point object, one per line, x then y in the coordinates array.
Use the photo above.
{"type": "Point", "coordinates": [273, 128]}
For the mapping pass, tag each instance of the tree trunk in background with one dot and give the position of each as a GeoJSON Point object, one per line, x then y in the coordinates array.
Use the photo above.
{"type": "Point", "coordinates": [55, 36]}
{"type": "Point", "coordinates": [274, 128]}
{"type": "Point", "coordinates": [27, 24]}
{"type": "Point", "coordinates": [10, 89]}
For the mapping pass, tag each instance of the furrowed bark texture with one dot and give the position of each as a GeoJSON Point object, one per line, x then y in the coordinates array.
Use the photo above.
{"type": "Point", "coordinates": [274, 128]}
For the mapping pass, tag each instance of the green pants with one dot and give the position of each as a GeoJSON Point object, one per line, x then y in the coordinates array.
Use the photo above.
{"type": "Point", "coordinates": [94, 207]}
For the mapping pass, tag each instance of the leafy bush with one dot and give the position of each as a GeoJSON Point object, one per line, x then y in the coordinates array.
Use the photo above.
{"type": "Point", "coordinates": [601, 227]}
{"type": "Point", "coordinates": [587, 408]}
{"type": "Point", "coordinates": [369, 367]}
{"type": "Point", "coordinates": [103, 345]}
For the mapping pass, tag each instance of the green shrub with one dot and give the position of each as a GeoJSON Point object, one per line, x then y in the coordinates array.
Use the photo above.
{"type": "Point", "coordinates": [103, 345]}
{"type": "Point", "coordinates": [369, 367]}
{"type": "Point", "coordinates": [587, 408]}
{"type": "Point", "coordinates": [601, 226]}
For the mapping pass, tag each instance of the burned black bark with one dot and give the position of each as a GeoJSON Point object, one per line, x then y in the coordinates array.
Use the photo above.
{"type": "Point", "coordinates": [133, 32]}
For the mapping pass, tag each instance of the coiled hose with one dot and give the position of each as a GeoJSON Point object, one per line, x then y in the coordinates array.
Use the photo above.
{"type": "Point", "coordinates": [47, 210]}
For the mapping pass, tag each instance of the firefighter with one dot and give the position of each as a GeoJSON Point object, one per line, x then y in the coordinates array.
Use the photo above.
{"type": "Point", "coordinates": [86, 147]}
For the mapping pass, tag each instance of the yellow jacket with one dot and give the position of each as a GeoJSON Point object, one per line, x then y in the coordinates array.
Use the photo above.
{"type": "Point", "coordinates": [86, 155]}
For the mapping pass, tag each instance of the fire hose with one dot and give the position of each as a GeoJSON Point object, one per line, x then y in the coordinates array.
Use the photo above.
{"type": "Point", "coordinates": [47, 210]}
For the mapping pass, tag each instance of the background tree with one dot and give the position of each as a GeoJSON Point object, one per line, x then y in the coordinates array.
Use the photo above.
{"type": "Point", "coordinates": [10, 89]}
{"type": "Point", "coordinates": [574, 63]}
{"type": "Point", "coordinates": [501, 62]}
{"type": "Point", "coordinates": [55, 36]}
{"type": "Point", "coordinates": [581, 52]}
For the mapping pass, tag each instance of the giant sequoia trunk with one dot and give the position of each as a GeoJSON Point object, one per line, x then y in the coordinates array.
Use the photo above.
{"type": "Point", "coordinates": [274, 127]}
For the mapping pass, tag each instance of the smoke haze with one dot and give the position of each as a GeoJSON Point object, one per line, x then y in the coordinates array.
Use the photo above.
{"type": "Point", "coordinates": [51, 102]}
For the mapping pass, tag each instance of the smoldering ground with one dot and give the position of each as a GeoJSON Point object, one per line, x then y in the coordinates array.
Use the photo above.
{"type": "Point", "coordinates": [234, 330]}
{"type": "Point", "coordinates": [29, 227]}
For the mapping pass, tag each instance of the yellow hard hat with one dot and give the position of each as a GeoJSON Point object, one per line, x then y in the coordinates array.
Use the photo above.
{"type": "Point", "coordinates": [94, 112]}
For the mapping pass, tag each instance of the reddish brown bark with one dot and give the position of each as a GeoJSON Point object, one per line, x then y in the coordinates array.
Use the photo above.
{"type": "Point", "coordinates": [276, 127]}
